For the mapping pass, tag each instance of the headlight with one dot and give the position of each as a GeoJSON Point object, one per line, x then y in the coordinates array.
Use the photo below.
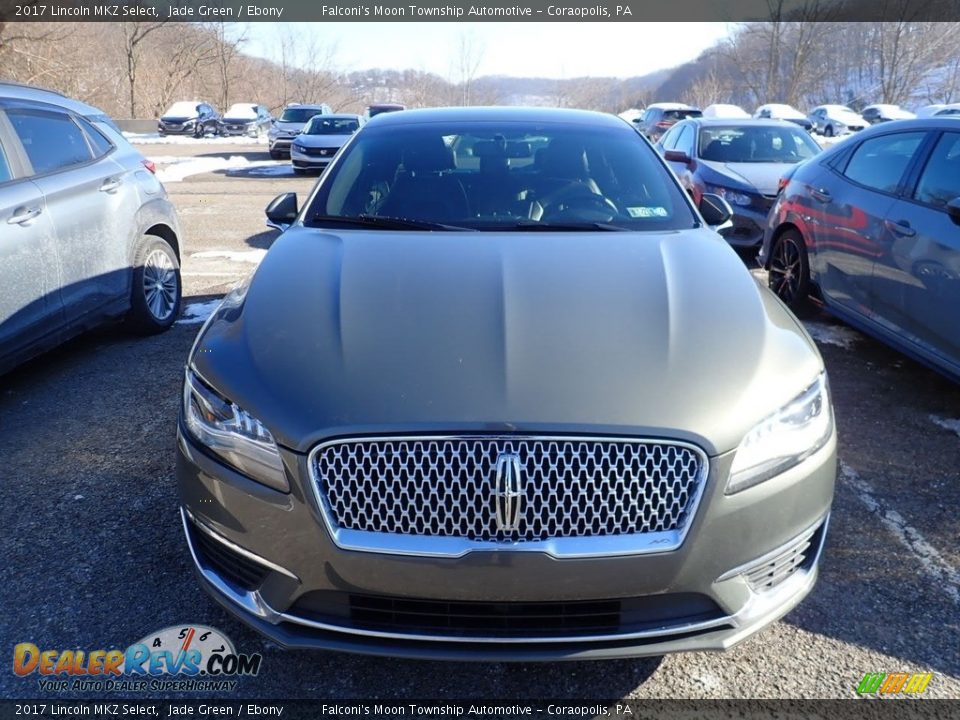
{"type": "Point", "coordinates": [231, 433]}
{"type": "Point", "coordinates": [784, 439]}
{"type": "Point", "coordinates": [298, 146]}
{"type": "Point", "coordinates": [731, 196]}
{"type": "Point", "coordinates": [188, 123]}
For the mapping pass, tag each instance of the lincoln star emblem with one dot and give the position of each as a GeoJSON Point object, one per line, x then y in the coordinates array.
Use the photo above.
{"type": "Point", "coordinates": [508, 491]}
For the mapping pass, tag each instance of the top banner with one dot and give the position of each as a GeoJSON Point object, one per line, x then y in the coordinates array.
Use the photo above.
{"type": "Point", "coordinates": [456, 10]}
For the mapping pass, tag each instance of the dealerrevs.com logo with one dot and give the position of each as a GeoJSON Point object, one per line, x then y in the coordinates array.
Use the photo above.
{"type": "Point", "coordinates": [178, 658]}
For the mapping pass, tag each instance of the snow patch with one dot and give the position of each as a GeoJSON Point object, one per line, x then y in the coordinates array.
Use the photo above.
{"type": "Point", "coordinates": [248, 256]}
{"type": "Point", "coordinates": [184, 168]}
{"type": "Point", "coordinates": [838, 335]}
{"type": "Point", "coordinates": [196, 313]}
{"type": "Point", "coordinates": [946, 423]}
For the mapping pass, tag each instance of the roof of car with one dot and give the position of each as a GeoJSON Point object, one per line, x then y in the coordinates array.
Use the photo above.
{"type": "Point", "coordinates": [747, 121]}
{"type": "Point", "coordinates": [20, 91]}
{"type": "Point", "coordinates": [498, 114]}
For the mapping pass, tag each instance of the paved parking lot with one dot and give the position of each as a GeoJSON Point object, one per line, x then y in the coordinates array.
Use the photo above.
{"type": "Point", "coordinates": [96, 558]}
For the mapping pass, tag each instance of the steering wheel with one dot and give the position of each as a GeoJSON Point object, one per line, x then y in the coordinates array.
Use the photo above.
{"type": "Point", "coordinates": [579, 203]}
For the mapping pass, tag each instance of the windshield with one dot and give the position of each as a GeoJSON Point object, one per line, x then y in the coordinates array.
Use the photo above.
{"type": "Point", "coordinates": [762, 144]}
{"type": "Point", "coordinates": [502, 175]}
{"type": "Point", "coordinates": [182, 109]}
{"type": "Point", "coordinates": [244, 111]}
{"type": "Point", "coordinates": [299, 114]}
{"type": "Point", "coordinates": [326, 125]}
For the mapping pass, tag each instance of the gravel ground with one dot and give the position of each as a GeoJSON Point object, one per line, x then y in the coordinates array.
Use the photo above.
{"type": "Point", "coordinates": [96, 557]}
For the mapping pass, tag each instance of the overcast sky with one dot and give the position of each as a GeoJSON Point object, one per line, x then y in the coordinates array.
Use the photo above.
{"type": "Point", "coordinates": [521, 49]}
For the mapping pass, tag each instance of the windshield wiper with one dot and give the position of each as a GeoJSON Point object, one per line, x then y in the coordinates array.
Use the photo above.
{"type": "Point", "coordinates": [383, 222]}
{"type": "Point", "coordinates": [563, 226]}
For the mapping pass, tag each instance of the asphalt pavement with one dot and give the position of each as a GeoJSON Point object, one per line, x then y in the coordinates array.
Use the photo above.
{"type": "Point", "coordinates": [95, 557]}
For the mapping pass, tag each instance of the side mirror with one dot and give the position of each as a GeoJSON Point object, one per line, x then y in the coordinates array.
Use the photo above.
{"type": "Point", "coordinates": [953, 210]}
{"type": "Point", "coordinates": [716, 211]}
{"type": "Point", "coordinates": [282, 211]}
{"type": "Point", "coordinates": [677, 156]}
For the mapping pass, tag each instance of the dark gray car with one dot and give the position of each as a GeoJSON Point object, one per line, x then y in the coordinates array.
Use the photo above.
{"type": "Point", "coordinates": [88, 233]}
{"type": "Point", "coordinates": [871, 230]}
{"type": "Point", "coordinates": [483, 400]}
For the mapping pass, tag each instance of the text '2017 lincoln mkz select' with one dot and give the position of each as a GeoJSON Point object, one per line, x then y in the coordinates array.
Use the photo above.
{"type": "Point", "coordinates": [501, 392]}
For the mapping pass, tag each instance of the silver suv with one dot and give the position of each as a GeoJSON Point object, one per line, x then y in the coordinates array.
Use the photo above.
{"type": "Point", "coordinates": [89, 234]}
{"type": "Point", "coordinates": [291, 121]}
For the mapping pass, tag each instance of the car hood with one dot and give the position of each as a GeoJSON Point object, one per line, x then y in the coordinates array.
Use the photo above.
{"type": "Point", "coordinates": [322, 140]}
{"type": "Point", "coordinates": [762, 176]}
{"type": "Point", "coordinates": [658, 335]}
{"type": "Point", "coordinates": [288, 127]}
{"type": "Point", "coordinates": [240, 120]}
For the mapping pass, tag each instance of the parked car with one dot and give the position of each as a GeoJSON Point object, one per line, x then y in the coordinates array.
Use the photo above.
{"type": "Point", "coordinates": [952, 110]}
{"type": "Point", "coordinates": [725, 111]}
{"type": "Point", "coordinates": [89, 235]}
{"type": "Point", "coordinates": [831, 120]}
{"type": "Point", "coordinates": [779, 111]}
{"type": "Point", "coordinates": [870, 231]}
{"type": "Point", "coordinates": [374, 110]}
{"type": "Point", "coordinates": [289, 124]}
{"type": "Point", "coordinates": [660, 117]}
{"type": "Point", "coordinates": [874, 114]}
{"type": "Point", "coordinates": [314, 148]}
{"type": "Point", "coordinates": [189, 118]}
{"type": "Point", "coordinates": [246, 119]}
{"type": "Point", "coordinates": [740, 160]}
{"type": "Point", "coordinates": [468, 369]}
{"type": "Point", "coordinates": [929, 110]}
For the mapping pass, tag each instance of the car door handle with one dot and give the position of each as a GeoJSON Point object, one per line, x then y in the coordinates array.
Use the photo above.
{"type": "Point", "coordinates": [821, 194]}
{"type": "Point", "coordinates": [110, 185]}
{"type": "Point", "coordinates": [22, 216]}
{"type": "Point", "coordinates": [900, 227]}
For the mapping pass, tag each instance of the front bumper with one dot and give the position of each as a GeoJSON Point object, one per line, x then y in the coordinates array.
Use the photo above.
{"type": "Point", "coordinates": [302, 161]}
{"type": "Point", "coordinates": [176, 130]}
{"type": "Point", "coordinates": [748, 227]}
{"type": "Point", "coordinates": [282, 537]}
{"type": "Point", "coordinates": [234, 130]}
{"type": "Point", "coordinates": [280, 144]}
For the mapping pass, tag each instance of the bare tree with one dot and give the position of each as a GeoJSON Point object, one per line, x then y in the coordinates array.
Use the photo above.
{"type": "Point", "coordinates": [134, 35]}
{"type": "Point", "coordinates": [469, 55]}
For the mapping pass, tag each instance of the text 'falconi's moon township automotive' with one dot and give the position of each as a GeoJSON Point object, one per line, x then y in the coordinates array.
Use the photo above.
{"type": "Point", "coordinates": [500, 391]}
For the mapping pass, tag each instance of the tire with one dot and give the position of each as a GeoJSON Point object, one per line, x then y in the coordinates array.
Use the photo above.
{"type": "Point", "coordinates": [157, 288]}
{"type": "Point", "coordinates": [789, 275]}
{"type": "Point", "coordinates": [828, 131]}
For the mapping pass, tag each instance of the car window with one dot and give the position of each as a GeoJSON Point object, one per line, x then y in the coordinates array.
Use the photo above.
{"type": "Point", "coordinates": [685, 140]}
{"type": "Point", "coordinates": [669, 139]}
{"type": "Point", "coordinates": [506, 175]}
{"type": "Point", "coordinates": [940, 181]}
{"type": "Point", "coordinates": [880, 162]}
{"type": "Point", "coordinates": [101, 146]}
{"type": "Point", "coordinates": [5, 173]}
{"type": "Point", "coordinates": [52, 141]}
{"type": "Point", "coordinates": [323, 125]}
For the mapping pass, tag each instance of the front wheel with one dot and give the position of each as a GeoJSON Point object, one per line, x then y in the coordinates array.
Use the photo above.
{"type": "Point", "coordinates": [157, 289]}
{"type": "Point", "coordinates": [789, 275]}
{"type": "Point", "coordinates": [828, 131]}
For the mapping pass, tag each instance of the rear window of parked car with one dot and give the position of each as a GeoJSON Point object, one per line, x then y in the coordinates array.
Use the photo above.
{"type": "Point", "coordinates": [880, 162]}
{"type": "Point", "coordinates": [940, 180]}
{"type": "Point", "coordinates": [52, 141]}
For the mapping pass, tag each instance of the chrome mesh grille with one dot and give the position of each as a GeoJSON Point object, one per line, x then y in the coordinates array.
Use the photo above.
{"type": "Point", "coordinates": [446, 487]}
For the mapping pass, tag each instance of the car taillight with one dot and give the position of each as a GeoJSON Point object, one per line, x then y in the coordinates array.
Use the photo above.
{"type": "Point", "coordinates": [149, 165]}
{"type": "Point", "coordinates": [663, 124]}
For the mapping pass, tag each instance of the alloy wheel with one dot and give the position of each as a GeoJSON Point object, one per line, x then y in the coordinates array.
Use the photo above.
{"type": "Point", "coordinates": [786, 269]}
{"type": "Point", "coordinates": [160, 284]}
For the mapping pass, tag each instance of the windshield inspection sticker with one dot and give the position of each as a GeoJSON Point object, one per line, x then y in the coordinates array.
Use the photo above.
{"type": "Point", "coordinates": [647, 212]}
